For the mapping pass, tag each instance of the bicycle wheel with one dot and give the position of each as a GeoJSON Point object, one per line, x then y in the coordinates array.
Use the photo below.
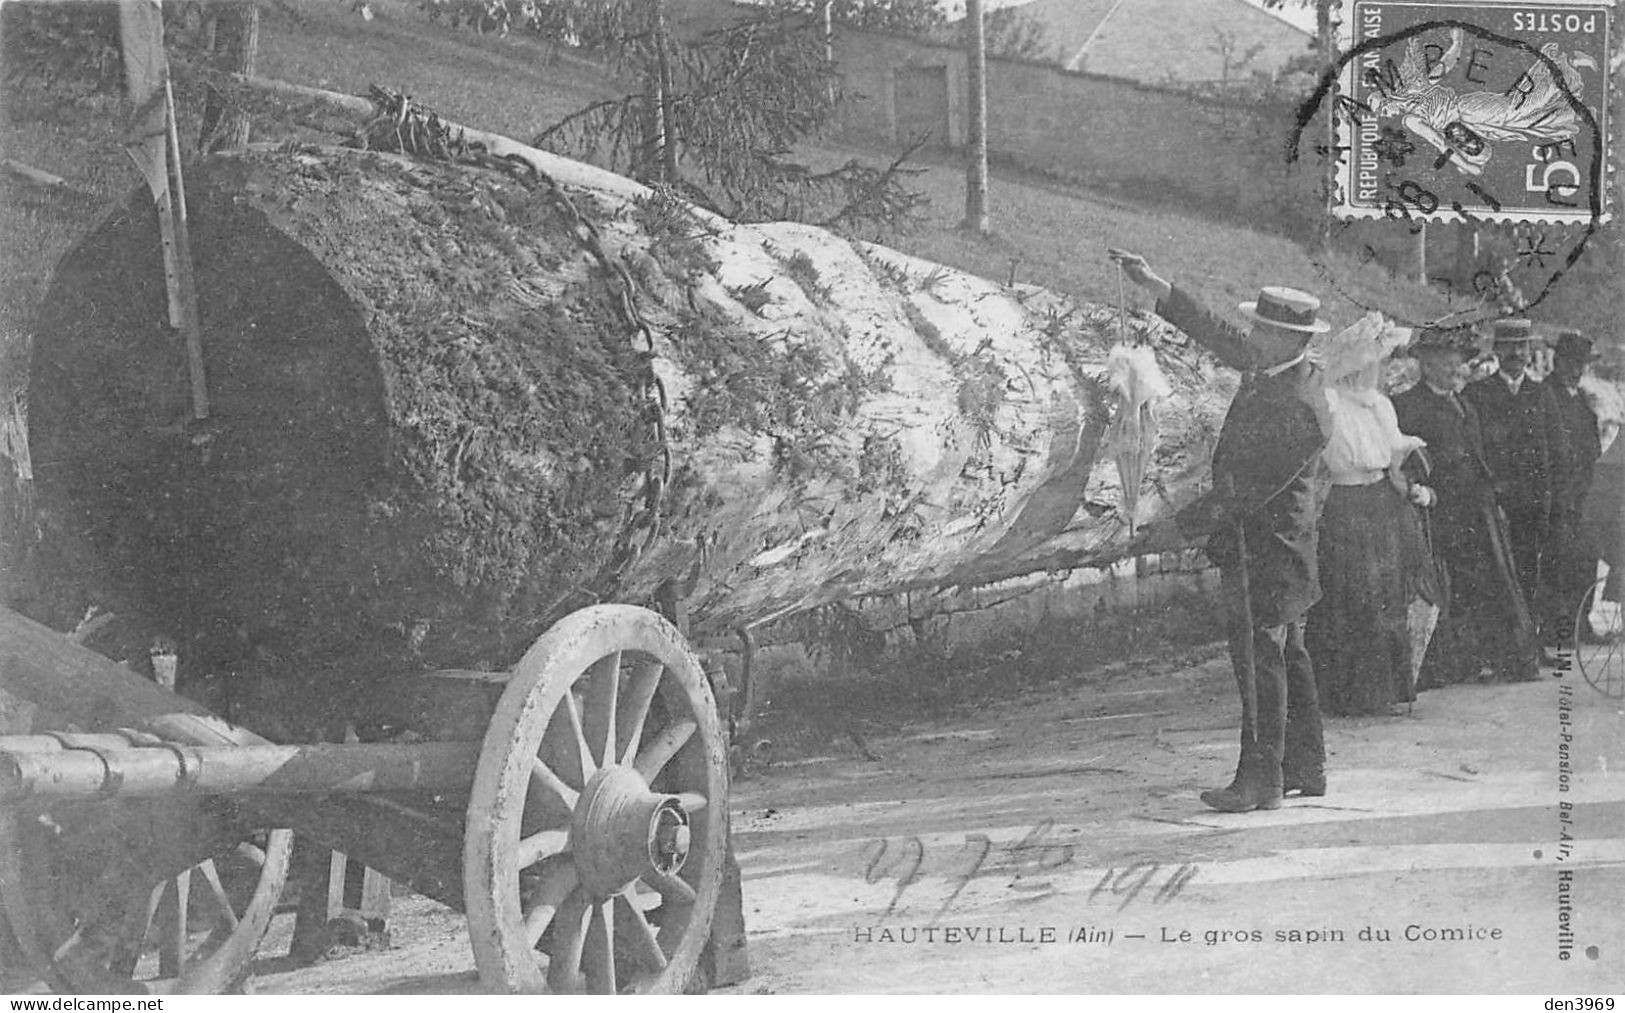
{"type": "Point", "coordinates": [1599, 643]}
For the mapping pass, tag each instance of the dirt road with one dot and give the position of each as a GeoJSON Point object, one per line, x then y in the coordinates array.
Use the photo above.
{"type": "Point", "coordinates": [1055, 843]}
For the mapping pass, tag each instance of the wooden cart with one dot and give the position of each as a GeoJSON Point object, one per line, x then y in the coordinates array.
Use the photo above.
{"type": "Point", "coordinates": [144, 842]}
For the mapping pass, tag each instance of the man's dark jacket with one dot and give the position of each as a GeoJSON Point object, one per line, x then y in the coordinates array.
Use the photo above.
{"type": "Point", "coordinates": [1583, 443]}
{"type": "Point", "coordinates": [1571, 556]}
{"type": "Point", "coordinates": [1523, 443]}
{"type": "Point", "coordinates": [1267, 469]}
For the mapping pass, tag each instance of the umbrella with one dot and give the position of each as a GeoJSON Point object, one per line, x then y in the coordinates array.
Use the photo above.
{"type": "Point", "coordinates": [1138, 382]}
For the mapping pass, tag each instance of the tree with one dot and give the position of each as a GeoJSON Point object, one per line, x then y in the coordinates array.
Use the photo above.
{"type": "Point", "coordinates": [1014, 34]}
{"type": "Point", "coordinates": [715, 116]}
{"type": "Point", "coordinates": [231, 36]}
{"type": "Point", "coordinates": [71, 52]}
{"type": "Point", "coordinates": [1232, 58]}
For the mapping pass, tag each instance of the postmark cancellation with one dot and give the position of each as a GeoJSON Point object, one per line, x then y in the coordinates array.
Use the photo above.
{"type": "Point", "coordinates": [1475, 111]}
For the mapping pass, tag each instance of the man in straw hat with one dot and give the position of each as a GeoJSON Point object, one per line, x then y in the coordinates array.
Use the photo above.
{"type": "Point", "coordinates": [1570, 558]}
{"type": "Point", "coordinates": [1485, 620]}
{"type": "Point", "coordinates": [1269, 484]}
{"type": "Point", "coordinates": [1523, 444]}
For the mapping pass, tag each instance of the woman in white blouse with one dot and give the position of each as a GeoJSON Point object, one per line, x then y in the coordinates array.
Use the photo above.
{"type": "Point", "coordinates": [1372, 557]}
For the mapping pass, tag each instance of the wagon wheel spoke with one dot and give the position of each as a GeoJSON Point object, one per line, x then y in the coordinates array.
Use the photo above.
{"type": "Point", "coordinates": [654, 756]}
{"type": "Point", "coordinates": [598, 956]}
{"type": "Point", "coordinates": [603, 687]}
{"type": "Point", "coordinates": [644, 941]}
{"type": "Point", "coordinates": [542, 776]}
{"type": "Point", "coordinates": [172, 937]}
{"type": "Point", "coordinates": [98, 933]}
{"type": "Point", "coordinates": [692, 801]}
{"type": "Point", "coordinates": [217, 889]}
{"type": "Point", "coordinates": [557, 883]}
{"type": "Point", "coordinates": [538, 846]}
{"type": "Point", "coordinates": [573, 710]}
{"type": "Point", "coordinates": [672, 889]}
{"type": "Point", "coordinates": [564, 970]}
{"type": "Point", "coordinates": [635, 710]}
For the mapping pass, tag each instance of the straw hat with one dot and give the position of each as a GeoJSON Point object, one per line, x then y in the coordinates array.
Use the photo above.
{"type": "Point", "coordinates": [1513, 332]}
{"type": "Point", "coordinates": [1287, 308]}
{"type": "Point", "coordinates": [1444, 339]}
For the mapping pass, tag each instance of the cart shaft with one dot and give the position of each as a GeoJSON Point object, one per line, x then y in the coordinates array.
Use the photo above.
{"type": "Point", "coordinates": [95, 771]}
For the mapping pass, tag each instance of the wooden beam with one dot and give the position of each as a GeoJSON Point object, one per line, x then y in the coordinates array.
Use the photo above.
{"type": "Point", "coordinates": [95, 771]}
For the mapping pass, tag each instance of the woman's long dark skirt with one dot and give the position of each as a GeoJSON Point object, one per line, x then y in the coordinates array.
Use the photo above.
{"type": "Point", "coordinates": [1357, 634]}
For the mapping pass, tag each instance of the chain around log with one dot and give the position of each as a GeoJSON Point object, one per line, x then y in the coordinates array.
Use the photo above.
{"type": "Point", "coordinates": [410, 127]}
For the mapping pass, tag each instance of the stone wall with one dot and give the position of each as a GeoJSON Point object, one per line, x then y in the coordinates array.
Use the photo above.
{"type": "Point", "coordinates": [1107, 133]}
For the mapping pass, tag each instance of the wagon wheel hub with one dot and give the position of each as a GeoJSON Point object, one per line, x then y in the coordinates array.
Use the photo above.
{"type": "Point", "coordinates": [621, 831]}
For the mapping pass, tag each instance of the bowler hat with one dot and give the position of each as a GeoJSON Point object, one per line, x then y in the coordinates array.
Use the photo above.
{"type": "Point", "coordinates": [1287, 308]}
{"type": "Point", "coordinates": [1512, 332]}
{"type": "Point", "coordinates": [1571, 344]}
{"type": "Point", "coordinates": [1444, 339]}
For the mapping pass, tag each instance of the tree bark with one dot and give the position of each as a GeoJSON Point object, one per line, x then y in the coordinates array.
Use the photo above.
{"type": "Point", "coordinates": [233, 50]}
{"type": "Point", "coordinates": [245, 61]}
{"type": "Point", "coordinates": [434, 438]}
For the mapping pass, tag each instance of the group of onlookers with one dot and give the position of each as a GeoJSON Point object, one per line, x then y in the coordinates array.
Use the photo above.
{"type": "Point", "coordinates": [1457, 524]}
{"type": "Point", "coordinates": [1496, 472]}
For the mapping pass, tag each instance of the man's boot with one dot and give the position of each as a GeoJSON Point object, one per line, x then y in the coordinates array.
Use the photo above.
{"type": "Point", "coordinates": [1257, 784]}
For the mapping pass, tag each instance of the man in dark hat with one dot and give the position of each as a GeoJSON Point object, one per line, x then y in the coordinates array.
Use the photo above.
{"type": "Point", "coordinates": [1260, 519]}
{"type": "Point", "coordinates": [1523, 443]}
{"type": "Point", "coordinates": [1570, 560]}
{"type": "Point", "coordinates": [1485, 620]}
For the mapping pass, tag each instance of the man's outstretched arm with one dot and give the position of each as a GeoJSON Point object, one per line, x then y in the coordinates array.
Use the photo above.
{"type": "Point", "coordinates": [1177, 307]}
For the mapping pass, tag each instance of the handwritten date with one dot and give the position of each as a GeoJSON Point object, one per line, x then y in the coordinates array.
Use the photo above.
{"type": "Point", "coordinates": [906, 862]}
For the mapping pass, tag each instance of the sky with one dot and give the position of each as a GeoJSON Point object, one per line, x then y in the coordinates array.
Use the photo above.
{"type": "Point", "coordinates": [1295, 13]}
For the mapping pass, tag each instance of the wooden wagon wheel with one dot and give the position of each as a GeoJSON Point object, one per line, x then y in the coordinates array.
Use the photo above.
{"type": "Point", "coordinates": [91, 916]}
{"type": "Point", "coordinates": [599, 814]}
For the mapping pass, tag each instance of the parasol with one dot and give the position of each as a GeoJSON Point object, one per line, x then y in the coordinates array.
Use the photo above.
{"type": "Point", "coordinates": [1137, 383]}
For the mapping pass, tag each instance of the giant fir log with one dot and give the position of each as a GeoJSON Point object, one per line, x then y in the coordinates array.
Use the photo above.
{"type": "Point", "coordinates": [431, 435]}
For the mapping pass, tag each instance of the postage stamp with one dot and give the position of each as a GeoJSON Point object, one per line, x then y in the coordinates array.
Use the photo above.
{"type": "Point", "coordinates": [1487, 111]}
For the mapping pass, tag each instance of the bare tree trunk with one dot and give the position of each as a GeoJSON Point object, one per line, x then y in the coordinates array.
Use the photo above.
{"type": "Point", "coordinates": [246, 57]}
{"type": "Point", "coordinates": [976, 142]}
{"type": "Point", "coordinates": [829, 41]}
{"type": "Point", "coordinates": [668, 132]}
{"type": "Point", "coordinates": [234, 50]}
{"type": "Point", "coordinates": [1327, 47]}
